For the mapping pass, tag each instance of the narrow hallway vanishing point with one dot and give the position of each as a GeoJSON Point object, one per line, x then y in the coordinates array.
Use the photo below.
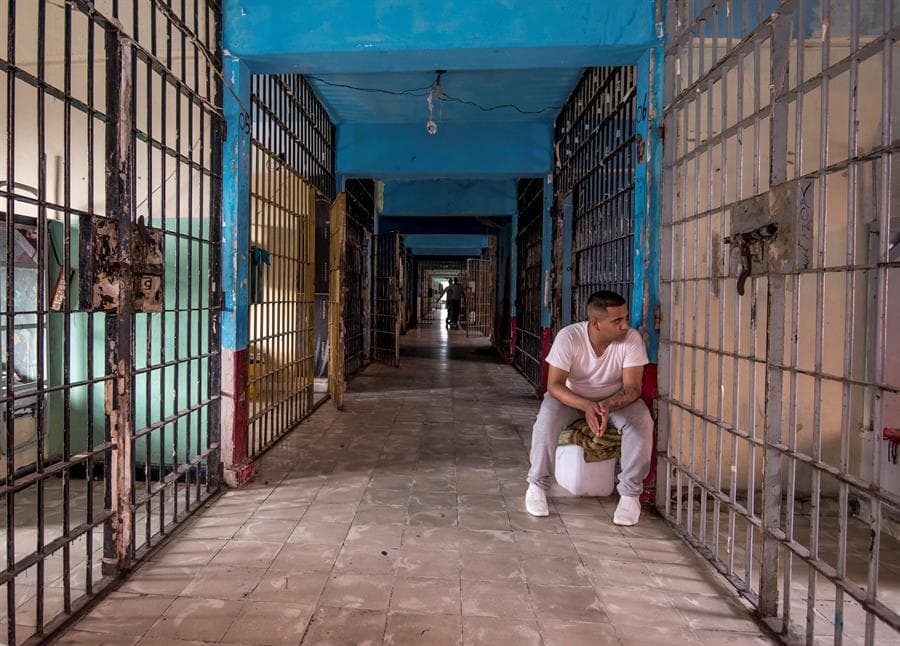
{"type": "Point", "coordinates": [400, 520]}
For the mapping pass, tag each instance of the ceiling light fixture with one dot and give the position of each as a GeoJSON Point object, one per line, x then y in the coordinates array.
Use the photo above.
{"type": "Point", "coordinates": [435, 92]}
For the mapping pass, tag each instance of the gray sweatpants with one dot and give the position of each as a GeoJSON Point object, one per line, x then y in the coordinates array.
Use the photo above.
{"type": "Point", "coordinates": [634, 421]}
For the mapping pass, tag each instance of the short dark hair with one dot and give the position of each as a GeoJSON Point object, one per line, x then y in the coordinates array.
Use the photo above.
{"type": "Point", "coordinates": [604, 299]}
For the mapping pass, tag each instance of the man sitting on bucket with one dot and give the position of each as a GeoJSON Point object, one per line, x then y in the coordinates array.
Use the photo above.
{"type": "Point", "coordinates": [596, 368]}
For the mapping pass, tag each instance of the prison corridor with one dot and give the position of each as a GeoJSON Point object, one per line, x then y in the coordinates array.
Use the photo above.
{"type": "Point", "coordinates": [400, 520]}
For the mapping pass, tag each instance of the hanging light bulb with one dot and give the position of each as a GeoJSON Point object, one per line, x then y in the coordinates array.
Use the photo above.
{"type": "Point", "coordinates": [436, 91]}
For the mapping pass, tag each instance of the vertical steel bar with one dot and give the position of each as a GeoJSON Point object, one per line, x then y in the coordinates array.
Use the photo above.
{"type": "Point", "coordinates": [89, 359]}
{"type": "Point", "coordinates": [119, 186]}
{"type": "Point", "coordinates": [40, 315]}
{"type": "Point", "coordinates": [816, 488]}
{"type": "Point", "coordinates": [9, 316]}
{"type": "Point", "coordinates": [67, 309]}
{"type": "Point", "coordinates": [772, 478]}
{"type": "Point", "coordinates": [875, 394]}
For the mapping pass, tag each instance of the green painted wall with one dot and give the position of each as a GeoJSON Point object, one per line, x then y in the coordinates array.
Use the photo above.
{"type": "Point", "coordinates": [160, 338]}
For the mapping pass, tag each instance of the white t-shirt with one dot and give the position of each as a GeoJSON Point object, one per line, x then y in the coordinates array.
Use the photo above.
{"type": "Point", "coordinates": [591, 376]}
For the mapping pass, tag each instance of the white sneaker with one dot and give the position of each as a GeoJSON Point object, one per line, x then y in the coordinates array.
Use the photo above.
{"type": "Point", "coordinates": [536, 501]}
{"type": "Point", "coordinates": [628, 512]}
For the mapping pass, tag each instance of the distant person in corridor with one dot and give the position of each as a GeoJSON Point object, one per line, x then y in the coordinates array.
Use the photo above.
{"type": "Point", "coordinates": [596, 368]}
{"type": "Point", "coordinates": [454, 292]}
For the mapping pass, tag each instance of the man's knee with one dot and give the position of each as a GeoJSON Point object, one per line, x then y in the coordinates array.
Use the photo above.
{"type": "Point", "coordinates": [636, 418]}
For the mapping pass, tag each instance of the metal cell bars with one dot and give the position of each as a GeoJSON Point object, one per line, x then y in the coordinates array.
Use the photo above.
{"type": "Point", "coordinates": [176, 140]}
{"type": "Point", "coordinates": [596, 148]}
{"type": "Point", "coordinates": [481, 292]}
{"type": "Point", "coordinates": [432, 273]}
{"type": "Point", "coordinates": [74, 104]}
{"type": "Point", "coordinates": [386, 311]}
{"type": "Point", "coordinates": [529, 285]}
{"type": "Point", "coordinates": [297, 128]}
{"type": "Point", "coordinates": [837, 385]}
{"type": "Point", "coordinates": [356, 275]}
{"type": "Point", "coordinates": [785, 455]}
{"type": "Point", "coordinates": [55, 498]}
{"type": "Point", "coordinates": [280, 349]}
{"type": "Point", "coordinates": [714, 342]}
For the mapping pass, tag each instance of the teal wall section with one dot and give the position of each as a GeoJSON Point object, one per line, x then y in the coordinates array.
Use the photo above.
{"type": "Point", "coordinates": [81, 340]}
{"type": "Point", "coordinates": [156, 391]}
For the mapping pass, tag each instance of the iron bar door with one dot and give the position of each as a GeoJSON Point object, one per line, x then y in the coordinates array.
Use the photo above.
{"type": "Point", "coordinates": [780, 190]}
{"type": "Point", "coordinates": [386, 331]}
{"type": "Point", "coordinates": [110, 309]}
{"type": "Point", "coordinates": [287, 126]}
{"type": "Point", "coordinates": [529, 284]}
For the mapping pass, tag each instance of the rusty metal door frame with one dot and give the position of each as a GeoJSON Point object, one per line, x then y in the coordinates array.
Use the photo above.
{"type": "Point", "coordinates": [336, 300]}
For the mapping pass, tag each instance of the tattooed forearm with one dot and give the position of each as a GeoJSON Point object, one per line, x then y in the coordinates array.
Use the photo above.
{"type": "Point", "coordinates": [622, 398]}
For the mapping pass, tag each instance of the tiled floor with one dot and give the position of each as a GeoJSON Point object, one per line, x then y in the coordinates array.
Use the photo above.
{"type": "Point", "coordinates": [401, 521]}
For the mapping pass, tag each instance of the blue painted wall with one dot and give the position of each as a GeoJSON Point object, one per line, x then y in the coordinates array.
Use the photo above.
{"type": "Point", "coordinates": [322, 36]}
{"type": "Point", "coordinates": [446, 245]}
{"type": "Point", "coordinates": [450, 197]}
{"type": "Point", "coordinates": [458, 150]}
{"type": "Point", "coordinates": [236, 208]}
{"type": "Point", "coordinates": [647, 206]}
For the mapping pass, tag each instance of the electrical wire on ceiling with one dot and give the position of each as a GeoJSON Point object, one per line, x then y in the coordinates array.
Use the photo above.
{"type": "Point", "coordinates": [420, 91]}
{"type": "Point", "coordinates": [429, 91]}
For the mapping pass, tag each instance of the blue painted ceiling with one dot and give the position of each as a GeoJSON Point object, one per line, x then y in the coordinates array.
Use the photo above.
{"type": "Point", "coordinates": [537, 95]}
{"type": "Point", "coordinates": [527, 53]}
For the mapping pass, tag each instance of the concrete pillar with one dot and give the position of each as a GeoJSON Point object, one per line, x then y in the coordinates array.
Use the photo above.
{"type": "Point", "coordinates": [648, 186]}
{"type": "Point", "coordinates": [238, 467]}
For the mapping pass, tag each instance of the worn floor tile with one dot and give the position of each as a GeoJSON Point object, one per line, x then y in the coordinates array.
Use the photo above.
{"type": "Point", "coordinates": [636, 634]}
{"type": "Point", "coordinates": [247, 554]}
{"type": "Point", "coordinates": [404, 629]}
{"type": "Point", "coordinates": [361, 591]}
{"type": "Point", "coordinates": [126, 614]}
{"type": "Point", "coordinates": [577, 633]}
{"type": "Point", "coordinates": [194, 618]}
{"type": "Point", "coordinates": [413, 562]}
{"type": "Point", "coordinates": [491, 567]}
{"type": "Point", "coordinates": [640, 606]}
{"type": "Point", "coordinates": [296, 557]}
{"type": "Point", "coordinates": [187, 552]}
{"type": "Point", "coordinates": [478, 631]}
{"type": "Point", "coordinates": [316, 532]}
{"type": "Point", "coordinates": [265, 622]}
{"type": "Point", "coordinates": [265, 530]}
{"type": "Point", "coordinates": [401, 520]}
{"type": "Point", "coordinates": [224, 582]}
{"type": "Point", "coordinates": [567, 603]}
{"type": "Point", "coordinates": [366, 559]}
{"type": "Point", "coordinates": [83, 638]}
{"type": "Point", "coordinates": [159, 579]}
{"type": "Point", "coordinates": [301, 588]}
{"type": "Point", "coordinates": [556, 571]}
{"type": "Point", "coordinates": [496, 599]}
{"type": "Point", "coordinates": [342, 626]}
{"type": "Point", "coordinates": [712, 613]}
{"type": "Point", "coordinates": [431, 596]}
